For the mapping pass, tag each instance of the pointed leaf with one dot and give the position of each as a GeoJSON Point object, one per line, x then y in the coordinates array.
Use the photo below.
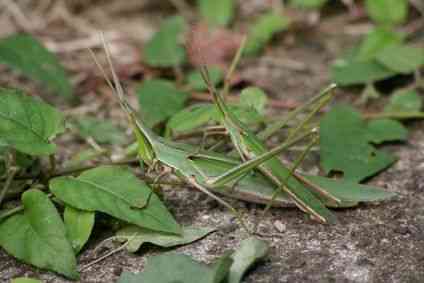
{"type": "Point", "coordinates": [191, 118]}
{"type": "Point", "coordinates": [26, 54]}
{"type": "Point", "coordinates": [138, 236]}
{"type": "Point", "coordinates": [172, 268]}
{"type": "Point", "coordinates": [79, 224]}
{"type": "Point", "coordinates": [117, 192]}
{"type": "Point", "coordinates": [347, 72]}
{"type": "Point", "coordinates": [262, 31]}
{"type": "Point", "coordinates": [37, 236]}
{"type": "Point", "coordinates": [253, 97]}
{"type": "Point", "coordinates": [102, 131]}
{"type": "Point", "coordinates": [251, 250]}
{"type": "Point", "coordinates": [401, 58]}
{"type": "Point", "coordinates": [349, 191]}
{"type": "Point", "coordinates": [404, 101]}
{"type": "Point", "coordinates": [28, 124]}
{"type": "Point", "coordinates": [345, 143]}
{"type": "Point", "coordinates": [159, 100]}
{"type": "Point", "coordinates": [375, 41]}
{"type": "Point", "coordinates": [388, 12]}
{"type": "Point", "coordinates": [216, 12]}
{"type": "Point", "coordinates": [165, 48]}
{"type": "Point", "coordinates": [196, 82]}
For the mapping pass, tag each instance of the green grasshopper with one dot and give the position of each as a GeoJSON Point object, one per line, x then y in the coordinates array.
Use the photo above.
{"type": "Point", "coordinates": [296, 186]}
{"type": "Point", "coordinates": [214, 173]}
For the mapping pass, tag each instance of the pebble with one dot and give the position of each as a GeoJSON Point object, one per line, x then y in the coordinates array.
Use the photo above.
{"type": "Point", "coordinates": [280, 226]}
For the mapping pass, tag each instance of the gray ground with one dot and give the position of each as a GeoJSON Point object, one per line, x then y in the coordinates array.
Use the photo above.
{"type": "Point", "coordinates": [371, 243]}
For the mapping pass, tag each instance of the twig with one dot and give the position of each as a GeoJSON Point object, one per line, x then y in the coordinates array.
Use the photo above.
{"type": "Point", "coordinates": [88, 265]}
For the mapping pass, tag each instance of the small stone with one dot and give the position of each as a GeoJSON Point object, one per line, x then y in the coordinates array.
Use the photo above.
{"type": "Point", "coordinates": [280, 226]}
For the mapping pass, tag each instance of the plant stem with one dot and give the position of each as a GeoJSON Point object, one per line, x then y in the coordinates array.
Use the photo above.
{"type": "Point", "coordinates": [10, 212]}
{"type": "Point", "coordinates": [394, 115]}
{"type": "Point", "coordinates": [233, 66]}
{"type": "Point", "coordinates": [52, 161]}
{"type": "Point", "coordinates": [12, 172]}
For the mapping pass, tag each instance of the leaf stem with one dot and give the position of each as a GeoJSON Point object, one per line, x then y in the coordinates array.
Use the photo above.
{"type": "Point", "coordinates": [394, 115]}
{"type": "Point", "coordinates": [10, 212]}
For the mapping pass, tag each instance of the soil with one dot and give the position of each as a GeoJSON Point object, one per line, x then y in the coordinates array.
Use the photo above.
{"type": "Point", "coordinates": [381, 242]}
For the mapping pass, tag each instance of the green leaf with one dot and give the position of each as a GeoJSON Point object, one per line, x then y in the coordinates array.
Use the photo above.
{"type": "Point", "coordinates": [28, 124]}
{"type": "Point", "coordinates": [255, 98]}
{"type": "Point", "coordinates": [401, 58]}
{"type": "Point", "coordinates": [159, 100]}
{"type": "Point", "coordinates": [117, 192]}
{"type": "Point", "coordinates": [102, 131]}
{"type": "Point", "coordinates": [137, 236]}
{"type": "Point", "coordinates": [216, 12]}
{"type": "Point", "coordinates": [38, 237]}
{"type": "Point", "coordinates": [404, 101]}
{"type": "Point", "coordinates": [350, 192]}
{"type": "Point", "coordinates": [196, 82]}
{"type": "Point", "coordinates": [308, 4]}
{"type": "Point", "coordinates": [191, 118]}
{"type": "Point", "coordinates": [198, 115]}
{"type": "Point", "coordinates": [25, 280]}
{"type": "Point", "coordinates": [172, 268]}
{"type": "Point", "coordinates": [375, 41]}
{"type": "Point", "coordinates": [26, 54]}
{"type": "Point", "coordinates": [82, 156]}
{"type": "Point", "coordinates": [250, 251]}
{"type": "Point", "coordinates": [350, 72]}
{"type": "Point", "coordinates": [165, 48]}
{"type": "Point", "coordinates": [381, 130]}
{"type": "Point", "coordinates": [387, 12]}
{"type": "Point", "coordinates": [345, 143]}
{"type": "Point", "coordinates": [79, 224]}
{"type": "Point", "coordinates": [262, 31]}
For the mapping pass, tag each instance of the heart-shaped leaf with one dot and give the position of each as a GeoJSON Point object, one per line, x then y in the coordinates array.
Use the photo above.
{"type": "Point", "coordinates": [37, 236]}
{"type": "Point", "coordinates": [26, 54]}
{"type": "Point", "coordinates": [117, 192]}
{"type": "Point", "coordinates": [79, 224]}
{"type": "Point", "coordinates": [28, 124]}
{"type": "Point", "coordinates": [137, 236]}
